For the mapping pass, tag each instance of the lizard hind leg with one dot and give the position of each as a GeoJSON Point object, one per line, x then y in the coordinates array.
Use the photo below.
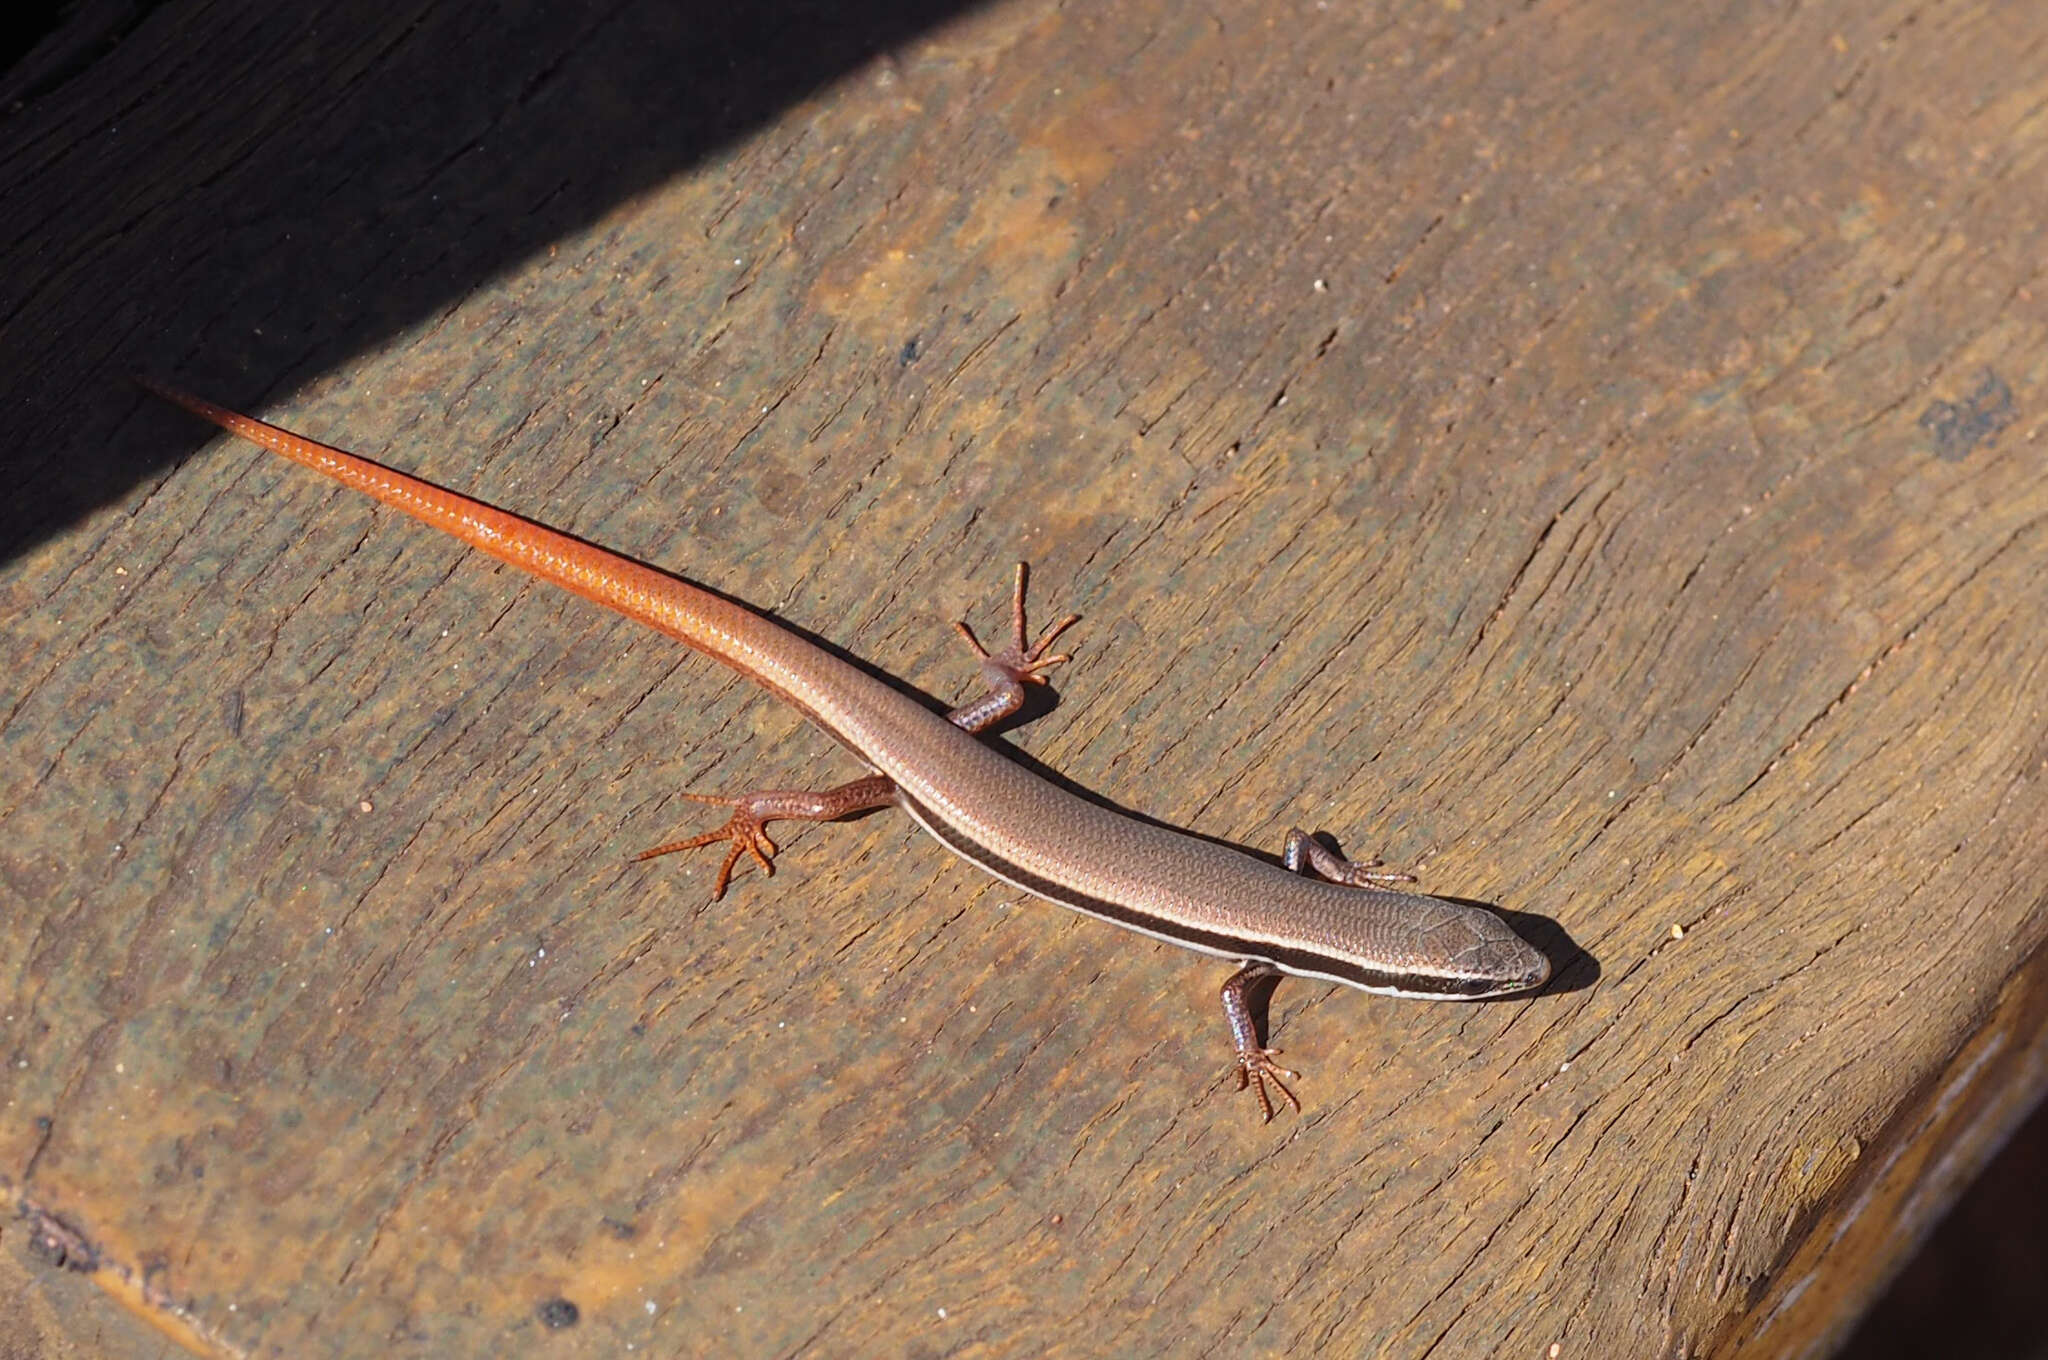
{"type": "Point", "coordinates": [746, 830]}
{"type": "Point", "coordinates": [1008, 671]}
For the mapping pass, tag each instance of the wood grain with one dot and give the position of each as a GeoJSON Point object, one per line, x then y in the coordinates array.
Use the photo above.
{"type": "Point", "coordinates": [1589, 453]}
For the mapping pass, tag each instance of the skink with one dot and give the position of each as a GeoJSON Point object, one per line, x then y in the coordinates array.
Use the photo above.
{"type": "Point", "coordinates": [1318, 917]}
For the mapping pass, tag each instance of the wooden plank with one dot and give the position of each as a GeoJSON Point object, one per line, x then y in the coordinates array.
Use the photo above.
{"type": "Point", "coordinates": [1589, 453]}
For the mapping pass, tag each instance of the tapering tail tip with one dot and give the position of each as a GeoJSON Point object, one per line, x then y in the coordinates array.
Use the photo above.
{"type": "Point", "coordinates": [163, 391]}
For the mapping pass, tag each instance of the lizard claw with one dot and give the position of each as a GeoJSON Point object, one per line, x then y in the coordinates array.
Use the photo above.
{"type": "Point", "coordinates": [746, 829]}
{"type": "Point", "coordinates": [1255, 1067]}
{"type": "Point", "coordinates": [1022, 660]}
{"type": "Point", "coordinates": [1364, 873]}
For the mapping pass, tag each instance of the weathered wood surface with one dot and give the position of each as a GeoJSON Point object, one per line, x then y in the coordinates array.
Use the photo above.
{"type": "Point", "coordinates": [1591, 453]}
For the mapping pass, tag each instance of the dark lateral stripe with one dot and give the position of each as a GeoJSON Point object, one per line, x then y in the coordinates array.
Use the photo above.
{"type": "Point", "coordinates": [1290, 958]}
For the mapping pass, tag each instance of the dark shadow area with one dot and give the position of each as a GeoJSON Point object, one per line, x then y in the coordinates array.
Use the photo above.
{"type": "Point", "coordinates": [240, 196]}
{"type": "Point", "coordinates": [1975, 1286]}
{"type": "Point", "coordinates": [48, 42]}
